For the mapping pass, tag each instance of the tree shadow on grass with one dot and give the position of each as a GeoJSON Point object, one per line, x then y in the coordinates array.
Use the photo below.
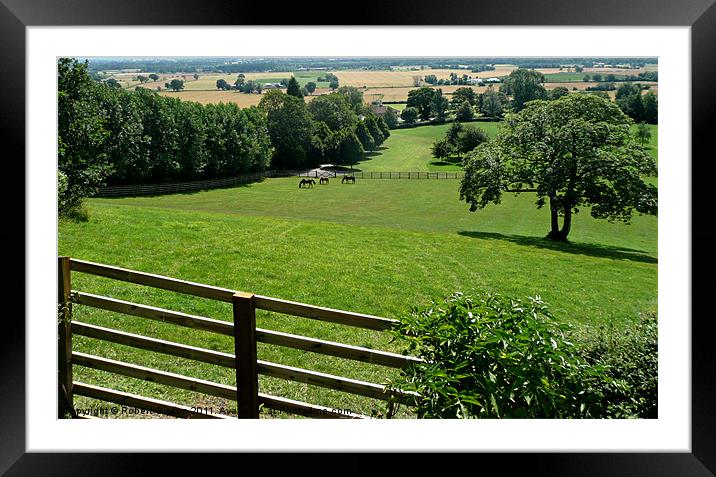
{"type": "Point", "coordinates": [590, 249]}
{"type": "Point", "coordinates": [180, 192]}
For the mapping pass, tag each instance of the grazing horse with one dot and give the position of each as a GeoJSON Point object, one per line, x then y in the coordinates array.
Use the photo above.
{"type": "Point", "coordinates": [348, 179]}
{"type": "Point", "coordinates": [323, 180]}
{"type": "Point", "coordinates": [308, 182]}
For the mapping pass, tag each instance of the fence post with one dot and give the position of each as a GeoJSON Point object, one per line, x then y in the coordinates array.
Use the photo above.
{"type": "Point", "coordinates": [247, 378]}
{"type": "Point", "coordinates": [64, 339]}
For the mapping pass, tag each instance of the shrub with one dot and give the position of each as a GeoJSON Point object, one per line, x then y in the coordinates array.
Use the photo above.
{"type": "Point", "coordinates": [633, 360]}
{"type": "Point", "coordinates": [491, 356]}
{"type": "Point", "coordinates": [70, 200]}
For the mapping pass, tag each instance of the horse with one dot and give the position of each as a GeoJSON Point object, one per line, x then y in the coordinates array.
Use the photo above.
{"type": "Point", "coordinates": [323, 180]}
{"type": "Point", "coordinates": [308, 182]}
{"type": "Point", "coordinates": [348, 179]}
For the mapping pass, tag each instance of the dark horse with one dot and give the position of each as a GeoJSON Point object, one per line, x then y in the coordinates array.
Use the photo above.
{"type": "Point", "coordinates": [323, 180]}
{"type": "Point", "coordinates": [348, 179]}
{"type": "Point", "coordinates": [308, 182]}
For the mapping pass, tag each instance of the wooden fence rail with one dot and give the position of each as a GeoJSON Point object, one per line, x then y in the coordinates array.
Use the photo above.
{"type": "Point", "coordinates": [244, 360]}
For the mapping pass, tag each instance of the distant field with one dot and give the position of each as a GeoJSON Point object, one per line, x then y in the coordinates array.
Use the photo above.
{"type": "Point", "coordinates": [208, 81]}
{"type": "Point", "coordinates": [304, 77]}
{"type": "Point", "coordinates": [401, 94]}
{"type": "Point", "coordinates": [582, 86]}
{"type": "Point", "coordinates": [374, 79]}
{"type": "Point", "coordinates": [563, 77]}
{"type": "Point", "coordinates": [409, 150]}
{"type": "Point", "coordinates": [215, 96]}
{"type": "Point", "coordinates": [398, 106]}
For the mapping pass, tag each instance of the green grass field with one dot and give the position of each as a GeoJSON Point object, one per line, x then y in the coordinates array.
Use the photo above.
{"type": "Point", "coordinates": [409, 150]}
{"type": "Point", "coordinates": [397, 106]}
{"type": "Point", "coordinates": [564, 77]}
{"type": "Point", "coordinates": [304, 77]}
{"type": "Point", "coordinates": [377, 247]}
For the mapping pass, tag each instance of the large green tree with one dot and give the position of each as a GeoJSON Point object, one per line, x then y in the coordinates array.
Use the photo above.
{"type": "Point", "coordinates": [176, 85]}
{"type": "Point", "coordinates": [81, 133]}
{"type": "Point", "coordinates": [334, 109]}
{"type": "Point", "coordinates": [354, 97]}
{"type": "Point", "coordinates": [409, 115]}
{"type": "Point", "coordinates": [294, 89]}
{"type": "Point", "coordinates": [460, 95]}
{"type": "Point", "coordinates": [524, 85]}
{"type": "Point", "coordinates": [492, 103]}
{"type": "Point", "coordinates": [572, 152]}
{"type": "Point", "coordinates": [290, 127]}
{"type": "Point", "coordinates": [423, 100]}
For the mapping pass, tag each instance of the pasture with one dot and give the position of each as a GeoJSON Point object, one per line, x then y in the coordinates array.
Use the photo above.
{"type": "Point", "coordinates": [376, 247]}
{"type": "Point", "coordinates": [408, 149]}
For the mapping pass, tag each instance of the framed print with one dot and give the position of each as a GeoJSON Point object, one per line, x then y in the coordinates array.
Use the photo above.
{"type": "Point", "coordinates": [417, 43]}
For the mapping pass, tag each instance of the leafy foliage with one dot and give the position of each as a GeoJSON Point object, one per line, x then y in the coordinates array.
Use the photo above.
{"type": "Point", "coordinates": [574, 151]}
{"type": "Point", "coordinates": [118, 136]}
{"type": "Point", "coordinates": [409, 115]}
{"type": "Point", "coordinates": [424, 100]}
{"type": "Point", "coordinates": [631, 360]}
{"type": "Point", "coordinates": [491, 356]}
{"type": "Point", "coordinates": [290, 127]}
{"type": "Point", "coordinates": [524, 85]}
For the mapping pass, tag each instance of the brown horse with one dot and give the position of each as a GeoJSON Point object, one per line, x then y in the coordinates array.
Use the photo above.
{"type": "Point", "coordinates": [348, 179]}
{"type": "Point", "coordinates": [307, 182]}
{"type": "Point", "coordinates": [323, 180]}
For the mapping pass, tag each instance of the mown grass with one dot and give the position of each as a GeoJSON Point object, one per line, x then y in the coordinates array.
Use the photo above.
{"type": "Point", "coordinates": [409, 150]}
{"type": "Point", "coordinates": [378, 247]}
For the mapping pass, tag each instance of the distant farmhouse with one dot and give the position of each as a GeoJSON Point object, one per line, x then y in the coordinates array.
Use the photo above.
{"type": "Point", "coordinates": [380, 109]}
{"type": "Point", "coordinates": [273, 86]}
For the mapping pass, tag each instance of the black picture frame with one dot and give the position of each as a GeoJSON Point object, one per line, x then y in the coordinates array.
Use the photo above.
{"type": "Point", "coordinates": [16, 15]}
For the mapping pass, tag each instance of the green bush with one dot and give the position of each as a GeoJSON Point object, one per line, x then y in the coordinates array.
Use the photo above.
{"type": "Point", "coordinates": [491, 356]}
{"type": "Point", "coordinates": [633, 360]}
{"type": "Point", "coordinates": [70, 200]}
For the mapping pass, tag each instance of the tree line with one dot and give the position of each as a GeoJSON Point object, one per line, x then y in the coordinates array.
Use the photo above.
{"type": "Point", "coordinates": [108, 135]}
{"type": "Point", "coordinates": [517, 89]}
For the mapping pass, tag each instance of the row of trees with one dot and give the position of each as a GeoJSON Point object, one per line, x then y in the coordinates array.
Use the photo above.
{"type": "Point", "coordinates": [610, 78]}
{"type": "Point", "coordinates": [114, 136]}
{"type": "Point", "coordinates": [640, 107]}
{"type": "Point", "coordinates": [332, 128]}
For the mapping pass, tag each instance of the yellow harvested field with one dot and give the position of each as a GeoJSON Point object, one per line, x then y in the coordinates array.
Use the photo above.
{"type": "Point", "coordinates": [580, 85]}
{"type": "Point", "coordinates": [208, 97]}
{"type": "Point", "coordinates": [401, 94]}
{"type": "Point", "coordinates": [405, 78]}
{"type": "Point", "coordinates": [216, 96]}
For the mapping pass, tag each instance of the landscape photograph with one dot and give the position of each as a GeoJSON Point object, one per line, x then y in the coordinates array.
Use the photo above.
{"type": "Point", "coordinates": [357, 237]}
